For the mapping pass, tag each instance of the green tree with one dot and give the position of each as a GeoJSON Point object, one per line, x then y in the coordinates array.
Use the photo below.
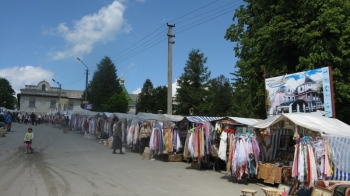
{"type": "Point", "coordinates": [289, 36]}
{"type": "Point", "coordinates": [160, 94]}
{"type": "Point", "coordinates": [193, 84]}
{"type": "Point", "coordinates": [145, 102]}
{"type": "Point", "coordinates": [7, 94]}
{"type": "Point", "coordinates": [116, 103]}
{"type": "Point", "coordinates": [104, 84]}
{"type": "Point", "coordinates": [220, 97]}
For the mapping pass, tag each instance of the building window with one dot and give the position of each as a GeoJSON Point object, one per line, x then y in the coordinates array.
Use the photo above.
{"type": "Point", "coordinates": [43, 87]}
{"type": "Point", "coordinates": [52, 104]}
{"type": "Point", "coordinates": [301, 88]}
{"type": "Point", "coordinates": [31, 102]}
{"type": "Point", "coordinates": [70, 106]}
{"type": "Point", "coordinates": [308, 84]}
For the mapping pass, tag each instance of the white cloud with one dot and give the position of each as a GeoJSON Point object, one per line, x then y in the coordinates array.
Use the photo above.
{"type": "Point", "coordinates": [137, 91]}
{"type": "Point", "coordinates": [131, 66]}
{"type": "Point", "coordinates": [91, 29]}
{"type": "Point", "coordinates": [174, 87]}
{"type": "Point", "coordinates": [28, 75]}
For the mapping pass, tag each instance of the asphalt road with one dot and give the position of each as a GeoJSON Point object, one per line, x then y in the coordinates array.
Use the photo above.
{"type": "Point", "coordinates": [69, 164]}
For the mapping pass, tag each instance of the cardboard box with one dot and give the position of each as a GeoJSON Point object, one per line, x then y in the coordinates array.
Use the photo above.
{"type": "Point", "coordinates": [196, 165]}
{"type": "Point", "coordinates": [175, 157]}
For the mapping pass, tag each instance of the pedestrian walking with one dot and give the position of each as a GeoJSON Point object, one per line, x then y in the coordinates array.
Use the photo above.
{"type": "Point", "coordinates": [28, 138]}
{"type": "Point", "coordinates": [117, 135]}
{"type": "Point", "coordinates": [26, 116]}
{"type": "Point", "coordinates": [32, 118]}
{"type": "Point", "coordinates": [8, 121]}
{"type": "Point", "coordinates": [20, 118]}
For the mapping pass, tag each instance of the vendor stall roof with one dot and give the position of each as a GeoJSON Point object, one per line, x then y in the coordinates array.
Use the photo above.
{"type": "Point", "coordinates": [265, 123]}
{"type": "Point", "coordinates": [124, 115]}
{"type": "Point", "coordinates": [245, 121]}
{"type": "Point", "coordinates": [199, 119]}
{"type": "Point", "coordinates": [318, 123]}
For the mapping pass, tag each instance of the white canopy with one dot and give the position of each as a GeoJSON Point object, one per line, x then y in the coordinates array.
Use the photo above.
{"type": "Point", "coordinates": [324, 125]}
{"type": "Point", "coordinates": [245, 121]}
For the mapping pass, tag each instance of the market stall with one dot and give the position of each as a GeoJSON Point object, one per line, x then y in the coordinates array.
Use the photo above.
{"type": "Point", "coordinates": [300, 149]}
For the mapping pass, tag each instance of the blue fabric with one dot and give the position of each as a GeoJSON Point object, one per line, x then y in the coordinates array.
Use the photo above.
{"type": "Point", "coordinates": [339, 175]}
{"type": "Point", "coordinates": [9, 118]}
{"type": "Point", "coordinates": [304, 192]}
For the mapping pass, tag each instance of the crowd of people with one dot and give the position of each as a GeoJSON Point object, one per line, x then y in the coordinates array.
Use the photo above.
{"type": "Point", "coordinates": [57, 121]}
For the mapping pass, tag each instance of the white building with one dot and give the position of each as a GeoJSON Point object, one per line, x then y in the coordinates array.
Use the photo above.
{"type": "Point", "coordinates": [44, 99]}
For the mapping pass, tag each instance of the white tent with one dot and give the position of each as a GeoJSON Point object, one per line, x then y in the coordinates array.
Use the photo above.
{"type": "Point", "coordinates": [245, 121]}
{"type": "Point", "coordinates": [324, 125]}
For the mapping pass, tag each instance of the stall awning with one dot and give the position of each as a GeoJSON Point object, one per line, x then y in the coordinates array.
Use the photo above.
{"type": "Point", "coordinates": [199, 119]}
{"type": "Point", "coordinates": [245, 121]}
{"type": "Point", "coordinates": [310, 121]}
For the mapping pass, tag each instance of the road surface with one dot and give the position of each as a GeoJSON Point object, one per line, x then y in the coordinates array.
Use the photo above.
{"type": "Point", "coordinates": [69, 164]}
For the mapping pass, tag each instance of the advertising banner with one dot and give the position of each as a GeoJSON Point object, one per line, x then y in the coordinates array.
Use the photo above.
{"type": "Point", "coordinates": [88, 106]}
{"type": "Point", "coordinates": [306, 91]}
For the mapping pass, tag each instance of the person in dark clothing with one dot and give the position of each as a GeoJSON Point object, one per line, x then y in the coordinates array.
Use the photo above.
{"type": "Point", "coordinates": [32, 118]}
{"type": "Point", "coordinates": [214, 154]}
{"type": "Point", "coordinates": [66, 124]}
{"type": "Point", "coordinates": [117, 135]}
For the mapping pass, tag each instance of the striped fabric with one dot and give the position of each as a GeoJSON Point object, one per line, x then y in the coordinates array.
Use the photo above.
{"type": "Point", "coordinates": [339, 175]}
{"type": "Point", "coordinates": [275, 139]}
{"type": "Point", "coordinates": [199, 119]}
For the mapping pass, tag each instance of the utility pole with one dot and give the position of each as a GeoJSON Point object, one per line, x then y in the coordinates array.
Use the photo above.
{"type": "Point", "coordinates": [86, 81]}
{"type": "Point", "coordinates": [59, 96]}
{"type": "Point", "coordinates": [170, 68]}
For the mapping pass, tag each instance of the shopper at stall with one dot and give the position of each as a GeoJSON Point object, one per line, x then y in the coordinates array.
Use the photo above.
{"type": "Point", "coordinates": [144, 137]}
{"type": "Point", "coordinates": [117, 135]}
{"type": "Point", "coordinates": [215, 157]}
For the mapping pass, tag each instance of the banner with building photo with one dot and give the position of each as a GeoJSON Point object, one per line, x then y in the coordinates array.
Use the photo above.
{"type": "Point", "coordinates": [306, 91]}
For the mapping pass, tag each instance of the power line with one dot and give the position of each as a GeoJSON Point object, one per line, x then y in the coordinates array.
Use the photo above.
{"type": "Point", "coordinates": [144, 47]}
{"type": "Point", "coordinates": [74, 81]}
{"type": "Point", "coordinates": [162, 27]}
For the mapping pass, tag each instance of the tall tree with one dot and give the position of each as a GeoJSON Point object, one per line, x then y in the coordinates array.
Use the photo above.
{"type": "Point", "coordinates": [116, 103]}
{"type": "Point", "coordinates": [160, 99]}
{"type": "Point", "coordinates": [289, 36]}
{"type": "Point", "coordinates": [193, 84]}
{"type": "Point", "coordinates": [104, 84]}
{"type": "Point", "coordinates": [145, 102]}
{"type": "Point", "coordinates": [7, 94]}
{"type": "Point", "coordinates": [220, 97]}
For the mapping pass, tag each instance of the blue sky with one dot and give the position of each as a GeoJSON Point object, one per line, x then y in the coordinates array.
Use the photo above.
{"type": "Point", "coordinates": [42, 39]}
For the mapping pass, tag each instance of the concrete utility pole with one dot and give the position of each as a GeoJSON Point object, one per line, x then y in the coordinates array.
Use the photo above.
{"type": "Point", "coordinates": [86, 81]}
{"type": "Point", "coordinates": [59, 95]}
{"type": "Point", "coordinates": [170, 68]}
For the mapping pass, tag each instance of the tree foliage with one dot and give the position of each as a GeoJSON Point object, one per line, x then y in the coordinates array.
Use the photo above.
{"type": "Point", "coordinates": [220, 97]}
{"type": "Point", "coordinates": [116, 103]}
{"type": "Point", "coordinates": [160, 95]}
{"type": "Point", "coordinates": [193, 85]}
{"type": "Point", "coordinates": [289, 36]}
{"type": "Point", "coordinates": [145, 101]}
{"type": "Point", "coordinates": [7, 94]}
{"type": "Point", "coordinates": [104, 85]}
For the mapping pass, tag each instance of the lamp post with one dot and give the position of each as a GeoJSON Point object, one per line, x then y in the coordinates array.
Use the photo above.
{"type": "Point", "coordinates": [86, 82]}
{"type": "Point", "coordinates": [59, 95]}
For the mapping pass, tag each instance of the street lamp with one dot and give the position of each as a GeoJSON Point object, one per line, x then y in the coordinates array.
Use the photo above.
{"type": "Point", "coordinates": [59, 95]}
{"type": "Point", "coordinates": [86, 82]}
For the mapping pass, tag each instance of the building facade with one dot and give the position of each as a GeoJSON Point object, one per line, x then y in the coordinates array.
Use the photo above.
{"type": "Point", "coordinates": [45, 99]}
